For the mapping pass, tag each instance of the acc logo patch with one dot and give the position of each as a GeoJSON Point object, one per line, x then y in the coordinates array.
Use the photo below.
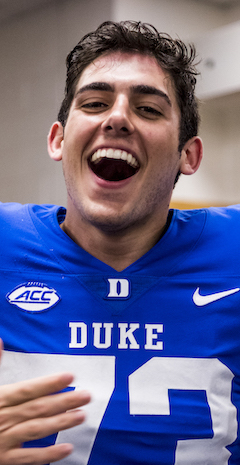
{"type": "Point", "coordinates": [33, 297]}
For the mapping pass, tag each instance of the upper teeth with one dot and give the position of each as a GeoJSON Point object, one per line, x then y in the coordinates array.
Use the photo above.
{"type": "Point", "coordinates": [118, 154]}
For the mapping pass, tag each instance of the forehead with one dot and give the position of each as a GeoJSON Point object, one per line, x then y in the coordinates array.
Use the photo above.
{"type": "Point", "coordinates": [127, 69]}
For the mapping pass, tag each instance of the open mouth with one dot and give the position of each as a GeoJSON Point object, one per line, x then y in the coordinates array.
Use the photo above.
{"type": "Point", "coordinates": [113, 165]}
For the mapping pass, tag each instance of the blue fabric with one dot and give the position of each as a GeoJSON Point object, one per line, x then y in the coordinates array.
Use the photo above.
{"type": "Point", "coordinates": [176, 363]}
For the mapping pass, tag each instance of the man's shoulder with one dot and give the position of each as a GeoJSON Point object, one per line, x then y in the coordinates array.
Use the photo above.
{"type": "Point", "coordinates": [16, 217]}
{"type": "Point", "coordinates": [226, 212]}
{"type": "Point", "coordinates": [214, 228]}
{"type": "Point", "coordinates": [211, 214]}
{"type": "Point", "coordinates": [17, 210]}
{"type": "Point", "coordinates": [224, 219]}
{"type": "Point", "coordinates": [9, 208]}
{"type": "Point", "coordinates": [208, 224]}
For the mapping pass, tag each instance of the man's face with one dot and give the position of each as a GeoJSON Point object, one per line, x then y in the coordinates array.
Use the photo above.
{"type": "Point", "coordinates": [120, 147]}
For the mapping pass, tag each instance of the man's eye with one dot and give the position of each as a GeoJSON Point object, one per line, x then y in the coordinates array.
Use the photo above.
{"type": "Point", "coordinates": [149, 110]}
{"type": "Point", "coordinates": [94, 105]}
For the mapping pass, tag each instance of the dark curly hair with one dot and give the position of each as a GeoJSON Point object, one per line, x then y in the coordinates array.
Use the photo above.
{"type": "Point", "coordinates": [175, 57]}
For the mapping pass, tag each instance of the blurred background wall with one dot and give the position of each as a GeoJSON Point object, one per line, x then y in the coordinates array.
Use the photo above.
{"type": "Point", "coordinates": [35, 37]}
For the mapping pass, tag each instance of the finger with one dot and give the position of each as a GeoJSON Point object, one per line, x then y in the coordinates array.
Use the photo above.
{"type": "Point", "coordinates": [36, 456]}
{"type": "Point", "coordinates": [39, 428]}
{"type": "Point", "coordinates": [23, 391]}
{"type": "Point", "coordinates": [42, 407]}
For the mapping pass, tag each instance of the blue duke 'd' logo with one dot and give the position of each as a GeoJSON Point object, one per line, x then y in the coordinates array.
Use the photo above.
{"type": "Point", "coordinates": [33, 297]}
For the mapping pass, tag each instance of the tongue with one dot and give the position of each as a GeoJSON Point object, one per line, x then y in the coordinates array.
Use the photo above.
{"type": "Point", "coordinates": [112, 169]}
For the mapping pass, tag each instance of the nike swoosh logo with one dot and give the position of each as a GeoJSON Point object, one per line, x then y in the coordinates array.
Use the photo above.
{"type": "Point", "coordinates": [201, 300]}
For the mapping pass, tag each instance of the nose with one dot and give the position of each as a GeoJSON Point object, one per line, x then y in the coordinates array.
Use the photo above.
{"type": "Point", "coordinates": [118, 118]}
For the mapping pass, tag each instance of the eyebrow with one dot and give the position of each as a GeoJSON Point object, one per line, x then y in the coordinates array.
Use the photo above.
{"type": "Point", "coordinates": [138, 89]}
{"type": "Point", "coordinates": [102, 86]}
{"type": "Point", "coordinates": [151, 90]}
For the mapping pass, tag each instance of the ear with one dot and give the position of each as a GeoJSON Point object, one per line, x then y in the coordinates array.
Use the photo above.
{"type": "Point", "coordinates": [55, 141]}
{"type": "Point", "coordinates": [191, 156]}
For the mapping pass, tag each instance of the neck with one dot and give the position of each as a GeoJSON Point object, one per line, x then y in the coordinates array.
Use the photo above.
{"type": "Point", "coordinates": [117, 249]}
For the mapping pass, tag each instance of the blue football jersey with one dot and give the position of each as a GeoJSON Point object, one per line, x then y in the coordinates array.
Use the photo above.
{"type": "Point", "coordinates": [157, 344]}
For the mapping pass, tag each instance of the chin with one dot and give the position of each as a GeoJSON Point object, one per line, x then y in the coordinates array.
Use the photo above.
{"type": "Point", "coordinates": [110, 226]}
{"type": "Point", "coordinates": [110, 223]}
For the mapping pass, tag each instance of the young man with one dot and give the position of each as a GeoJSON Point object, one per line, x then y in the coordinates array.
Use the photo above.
{"type": "Point", "coordinates": [138, 302]}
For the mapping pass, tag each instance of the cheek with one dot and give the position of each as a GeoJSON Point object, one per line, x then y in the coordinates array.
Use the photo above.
{"type": "Point", "coordinates": [161, 137]}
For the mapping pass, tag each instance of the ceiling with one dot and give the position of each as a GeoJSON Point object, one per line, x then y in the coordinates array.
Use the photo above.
{"type": "Point", "coordinates": [220, 3]}
{"type": "Point", "coordinates": [10, 8]}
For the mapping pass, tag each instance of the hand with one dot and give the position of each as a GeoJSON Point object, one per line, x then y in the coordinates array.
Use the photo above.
{"type": "Point", "coordinates": [31, 410]}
